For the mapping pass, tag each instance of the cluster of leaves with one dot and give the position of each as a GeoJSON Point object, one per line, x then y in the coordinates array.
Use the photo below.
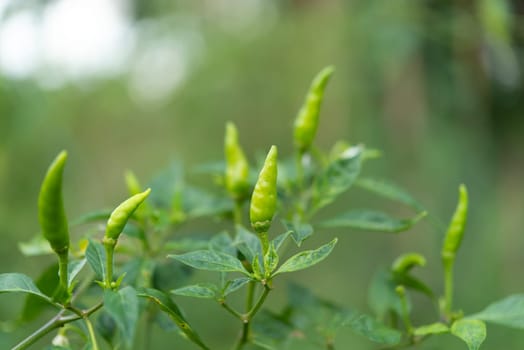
{"type": "Point", "coordinates": [153, 266]}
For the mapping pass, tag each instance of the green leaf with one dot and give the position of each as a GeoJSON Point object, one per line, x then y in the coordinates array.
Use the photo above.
{"type": "Point", "coordinates": [306, 258]}
{"type": "Point", "coordinates": [222, 243]}
{"type": "Point", "coordinates": [389, 190]}
{"type": "Point", "coordinates": [371, 220]}
{"type": "Point", "coordinates": [299, 231]}
{"type": "Point", "coordinates": [185, 244]}
{"type": "Point", "coordinates": [472, 332]}
{"type": "Point", "coordinates": [96, 257]}
{"type": "Point", "coordinates": [201, 290]}
{"type": "Point", "coordinates": [38, 245]}
{"type": "Point", "coordinates": [434, 328]}
{"type": "Point", "coordinates": [372, 329]}
{"type": "Point", "coordinates": [382, 297]}
{"type": "Point", "coordinates": [247, 243]}
{"type": "Point", "coordinates": [73, 269]}
{"type": "Point", "coordinates": [414, 284]}
{"type": "Point", "coordinates": [199, 203]}
{"type": "Point", "coordinates": [168, 306]}
{"type": "Point", "coordinates": [122, 306]}
{"type": "Point", "coordinates": [47, 283]}
{"type": "Point", "coordinates": [270, 260]}
{"type": "Point", "coordinates": [280, 239]}
{"type": "Point", "coordinates": [234, 285]}
{"type": "Point", "coordinates": [210, 261]}
{"type": "Point", "coordinates": [170, 274]}
{"type": "Point", "coordinates": [106, 327]}
{"type": "Point", "coordinates": [20, 283]}
{"type": "Point", "coordinates": [337, 178]}
{"type": "Point", "coordinates": [270, 331]}
{"type": "Point", "coordinates": [507, 312]}
{"type": "Point", "coordinates": [257, 268]}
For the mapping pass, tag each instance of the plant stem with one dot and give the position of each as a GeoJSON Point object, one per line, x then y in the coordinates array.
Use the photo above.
{"type": "Point", "coordinates": [110, 248]}
{"type": "Point", "coordinates": [91, 331]}
{"type": "Point", "coordinates": [248, 317]}
{"type": "Point", "coordinates": [448, 286]}
{"type": "Point", "coordinates": [250, 294]}
{"type": "Point", "coordinates": [300, 183]}
{"type": "Point", "coordinates": [231, 310]}
{"type": "Point", "coordinates": [56, 322]}
{"type": "Point", "coordinates": [259, 303]}
{"type": "Point", "coordinates": [63, 261]}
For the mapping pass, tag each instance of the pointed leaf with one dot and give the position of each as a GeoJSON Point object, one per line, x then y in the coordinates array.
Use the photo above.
{"type": "Point", "coordinates": [47, 283]}
{"type": "Point", "coordinates": [168, 306]}
{"type": "Point", "coordinates": [201, 290]}
{"type": "Point", "coordinates": [123, 307]}
{"type": "Point", "coordinates": [389, 190]}
{"type": "Point", "coordinates": [257, 268]}
{"type": "Point", "coordinates": [382, 297]}
{"type": "Point", "coordinates": [20, 283]}
{"type": "Point", "coordinates": [185, 244]}
{"type": "Point", "coordinates": [472, 332]}
{"type": "Point", "coordinates": [372, 329]}
{"type": "Point", "coordinates": [234, 285]}
{"type": "Point", "coordinates": [507, 312]}
{"type": "Point", "coordinates": [337, 178]}
{"type": "Point", "coordinates": [37, 245]}
{"type": "Point", "coordinates": [210, 261]}
{"type": "Point", "coordinates": [306, 258]}
{"type": "Point", "coordinates": [222, 243]}
{"type": "Point", "coordinates": [96, 257]}
{"type": "Point", "coordinates": [280, 239]}
{"type": "Point", "coordinates": [247, 243]}
{"type": "Point", "coordinates": [299, 231]}
{"type": "Point", "coordinates": [434, 328]}
{"type": "Point", "coordinates": [73, 269]}
{"type": "Point", "coordinates": [270, 260]}
{"type": "Point", "coordinates": [372, 221]}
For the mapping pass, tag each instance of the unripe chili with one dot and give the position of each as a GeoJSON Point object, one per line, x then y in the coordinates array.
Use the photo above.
{"type": "Point", "coordinates": [457, 225]}
{"type": "Point", "coordinates": [306, 122]}
{"type": "Point", "coordinates": [264, 198]}
{"type": "Point", "coordinates": [237, 167]}
{"type": "Point", "coordinates": [119, 217]}
{"type": "Point", "coordinates": [51, 212]}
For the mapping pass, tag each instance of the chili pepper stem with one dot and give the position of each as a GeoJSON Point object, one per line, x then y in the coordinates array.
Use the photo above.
{"type": "Point", "coordinates": [109, 246]}
{"type": "Point", "coordinates": [264, 240]}
{"type": "Point", "coordinates": [300, 182]}
{"type": "Point", "coordinates": [63, 261]}
{"type": "Point", "coordinates": [448, 286]}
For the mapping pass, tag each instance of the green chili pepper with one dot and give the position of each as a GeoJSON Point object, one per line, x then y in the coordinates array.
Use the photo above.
{"type": "Point", "coordinates": [51, 212]}
{"type": "Point", "coordinates": [122, 213]}
{"type": "Point", "coordinates": [237, 167]}
{"type": "Point", "coordinates": [456, 227]}
{"type": "Point", "coordinates": [406, 262]}
{"type": "Point", "coordinates": [306, 122]}
{"type": "Point", "coordinates": [264, 198]}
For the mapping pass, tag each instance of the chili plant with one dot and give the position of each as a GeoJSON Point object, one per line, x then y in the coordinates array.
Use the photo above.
{"type": "Point", "coordinates": [119, 271]}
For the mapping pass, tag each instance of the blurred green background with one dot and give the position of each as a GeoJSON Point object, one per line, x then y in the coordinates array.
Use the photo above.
{"type": "Point", "coordinates": [135, 84]}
